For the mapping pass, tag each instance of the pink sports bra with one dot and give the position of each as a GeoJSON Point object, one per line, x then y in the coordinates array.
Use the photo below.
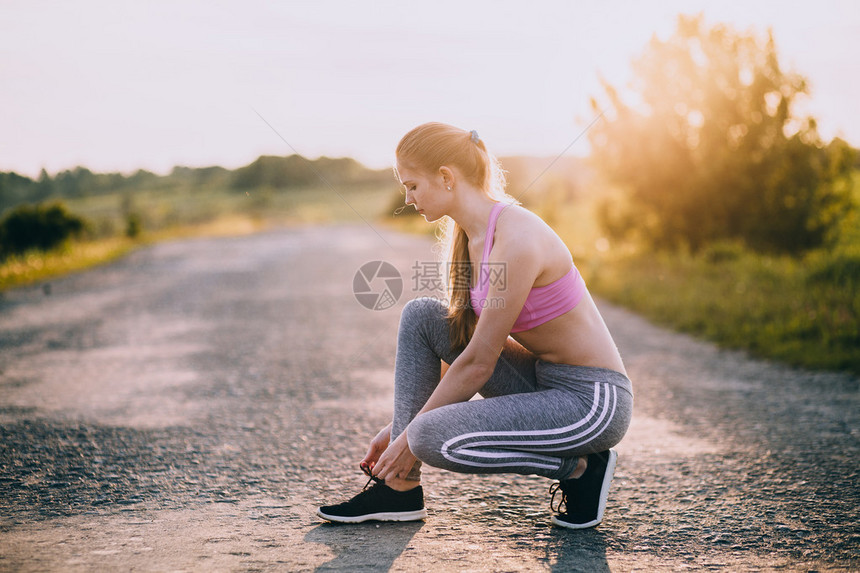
{"type": "Point", "coordinates": [543, 303]}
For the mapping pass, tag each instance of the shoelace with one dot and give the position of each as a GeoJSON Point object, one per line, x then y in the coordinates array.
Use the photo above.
{"type": "Point", "coordinates": [371, 478]}
{"type": "Point", "coordinates": [553, 489]}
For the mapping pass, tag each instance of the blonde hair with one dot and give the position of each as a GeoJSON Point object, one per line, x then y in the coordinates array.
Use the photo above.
{"type": "Point", "coordinates": [427, 148]}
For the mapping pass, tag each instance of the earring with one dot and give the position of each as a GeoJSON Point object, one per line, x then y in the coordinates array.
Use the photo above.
{"type": "Point", "coordinates": [449, 187]}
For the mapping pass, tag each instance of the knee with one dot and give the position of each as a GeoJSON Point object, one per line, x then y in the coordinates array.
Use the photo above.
{"type": "Point", "coordinates": [420, 310]}
{"type": "Point", "coordinates": [419, 435]}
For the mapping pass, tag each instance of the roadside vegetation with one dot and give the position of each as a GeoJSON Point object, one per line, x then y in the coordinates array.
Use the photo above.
{"type": "Point", "coordinates": [799, 310]}
{"type": "Point", "coordinates": [92, 218]}
{"type": "Point", "coordinates": [709, 206]}
{"type": "Point", "coordinates": [729, 216]}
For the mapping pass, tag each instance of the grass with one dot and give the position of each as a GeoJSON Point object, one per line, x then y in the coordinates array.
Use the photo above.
{"type": "Point", "coordinates": [76, 256]}
{"type": "Point", "coordinates": [797, 311]}
{"type": "Point", "coordinates": [170, 214]}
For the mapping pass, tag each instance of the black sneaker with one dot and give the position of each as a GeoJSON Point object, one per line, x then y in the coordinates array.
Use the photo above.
{"type": "Point", "coordinates": [378, 503]}
{"type": "Point", "coordinates": [584, 498]}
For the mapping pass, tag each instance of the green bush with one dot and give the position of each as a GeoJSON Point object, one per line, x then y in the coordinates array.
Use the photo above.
{"type": "Point", "coordinates": [40, 227]}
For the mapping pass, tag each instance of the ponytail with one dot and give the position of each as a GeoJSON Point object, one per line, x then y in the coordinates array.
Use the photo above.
{"type": "Point", "coordinates": [462, 319]}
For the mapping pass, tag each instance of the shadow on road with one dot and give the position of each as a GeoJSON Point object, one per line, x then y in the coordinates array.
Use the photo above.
{"type": "Point", "coordinates": [577, 551]}
{"type": "Point", "coordinates": [367, 546]}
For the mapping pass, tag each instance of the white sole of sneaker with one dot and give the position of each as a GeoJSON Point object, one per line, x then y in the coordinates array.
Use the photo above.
{"type": "Point", "coordinates": [392, 516]}
{"type": "Point", "coordinates": [604, 496]}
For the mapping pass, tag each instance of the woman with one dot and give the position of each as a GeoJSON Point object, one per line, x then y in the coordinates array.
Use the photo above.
{"type": "Point", "coordinates": [522, 331]}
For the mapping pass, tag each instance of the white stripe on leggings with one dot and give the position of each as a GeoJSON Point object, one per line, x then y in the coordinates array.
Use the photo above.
{"type": "Point", "coordinates": [545, 432]}
{"type": "Point", "coordinates": [556, 431]}
{"type": "Point", "coordinates": [565, 443]}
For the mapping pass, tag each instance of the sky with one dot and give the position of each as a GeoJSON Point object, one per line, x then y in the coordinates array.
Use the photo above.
{"type": "Point", "coordinates": [117, 85]}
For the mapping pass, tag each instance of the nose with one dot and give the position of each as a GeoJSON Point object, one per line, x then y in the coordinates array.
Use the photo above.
{"type": "Point", "coordinates": [409, 199]}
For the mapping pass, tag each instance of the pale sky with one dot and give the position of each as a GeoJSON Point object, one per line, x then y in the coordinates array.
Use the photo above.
{"type": "Point", "coordinates": [117, 85]}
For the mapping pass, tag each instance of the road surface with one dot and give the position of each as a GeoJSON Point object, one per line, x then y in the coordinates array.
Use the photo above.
{"type": "Point", "coordinates": [187, 408]}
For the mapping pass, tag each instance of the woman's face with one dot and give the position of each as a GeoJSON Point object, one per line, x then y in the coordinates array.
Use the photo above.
{"type": "Point", "coordinates": [426, 192]}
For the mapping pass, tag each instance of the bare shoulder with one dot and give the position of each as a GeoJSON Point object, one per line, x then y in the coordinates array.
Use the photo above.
{"type": "Point", "coordinates": [523, 233]}
{"type": "Point", "coordinates": [516, 223]}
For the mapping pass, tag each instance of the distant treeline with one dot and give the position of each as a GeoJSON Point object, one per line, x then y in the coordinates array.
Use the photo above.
{"type": "Point", "coordinates": [267, 171]}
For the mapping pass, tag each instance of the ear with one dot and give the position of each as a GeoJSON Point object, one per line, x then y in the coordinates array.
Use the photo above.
{"type": "Point", "coordinates": [447, 175]}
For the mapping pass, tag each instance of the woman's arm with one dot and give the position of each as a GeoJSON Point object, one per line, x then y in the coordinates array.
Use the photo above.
{"type": "Point", "coordinates": [474, 366]}
{"type": "Point", "coordinates": [520, 262]}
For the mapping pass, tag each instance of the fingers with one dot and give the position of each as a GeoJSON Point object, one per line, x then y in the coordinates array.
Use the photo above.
{"type": "Point", "coordinates": [380, 465]}
{"type": "Point", "coordinates": [383, 467]}
{"type": "Point", "coordinates": [367, 467]}
{"type": "Point", "coordinates": [384, 474]}
{"type": "Point", "coordinates": [395, 461]}
{"type": "Point", "coordinates": [373, 452]}
{"type": "Point", "coordinates": [387, 469]}
{"type": "Point", "coordinates": [371, 457]}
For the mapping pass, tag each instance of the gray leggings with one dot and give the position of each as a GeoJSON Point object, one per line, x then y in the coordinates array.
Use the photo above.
{"type": "Point", "coordinates": [536, 417]}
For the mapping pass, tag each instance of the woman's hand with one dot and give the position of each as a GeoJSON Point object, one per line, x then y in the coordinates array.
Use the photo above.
{"type": "Point", "coordinates": [377, 446]}
{"type": "Point", "coordinates": [396, 461]}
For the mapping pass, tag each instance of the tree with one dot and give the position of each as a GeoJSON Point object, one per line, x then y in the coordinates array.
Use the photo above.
{"type": "Point", "coordinates": [712, 150]}
{"type": "Point", "coordinates": [14, 188]}
{"type": "Point", "coordinates": [296, 171]}
{"type": "Point", "coordinates": [44, 187]}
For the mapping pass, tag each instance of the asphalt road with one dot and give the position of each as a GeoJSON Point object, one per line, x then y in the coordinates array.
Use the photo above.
{"type": "Point", "coordinates": [187, 408]}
